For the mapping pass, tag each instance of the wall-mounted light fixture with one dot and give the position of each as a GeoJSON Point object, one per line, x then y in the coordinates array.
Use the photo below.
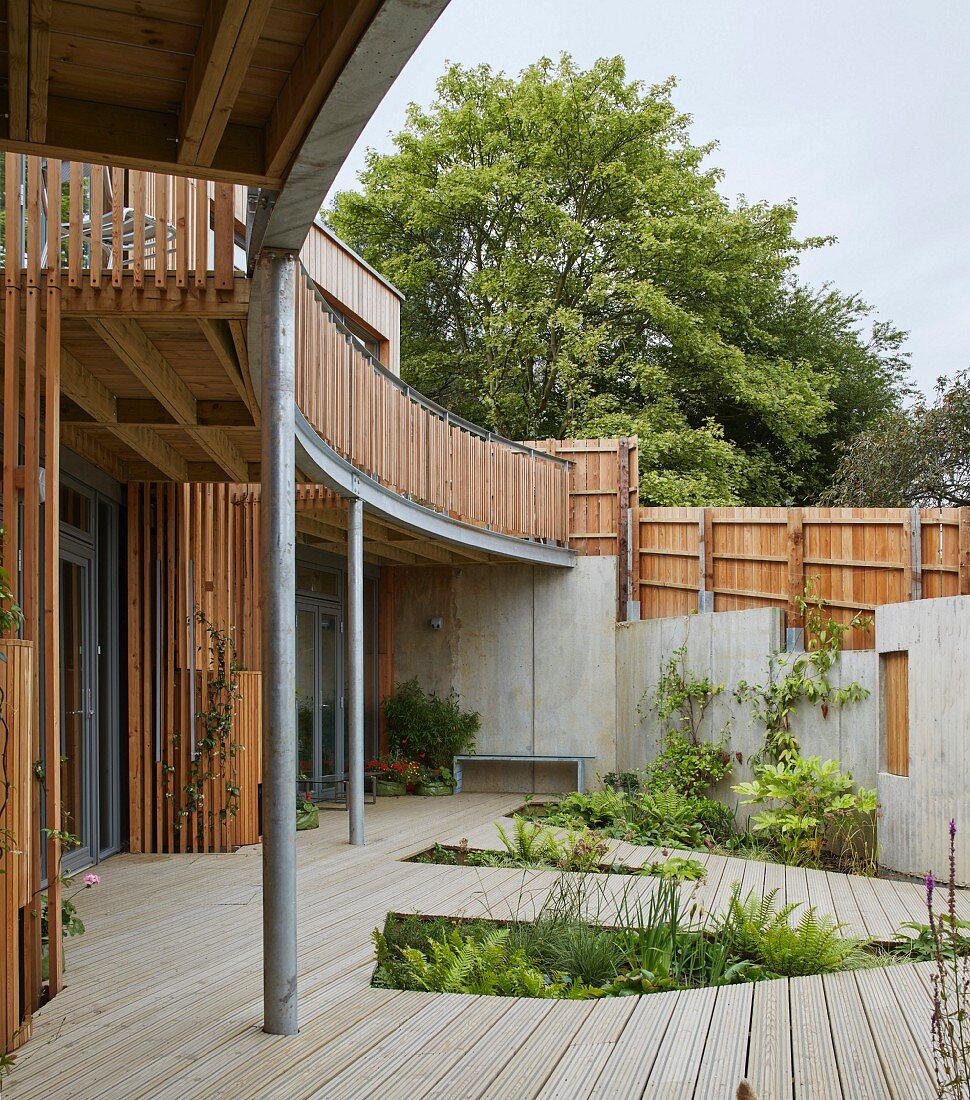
{"type": "Point", "coordinates": [437, 622]}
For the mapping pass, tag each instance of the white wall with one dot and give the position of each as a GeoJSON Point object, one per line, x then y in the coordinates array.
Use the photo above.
{"type": "Point", "coordinates": [916, 810]}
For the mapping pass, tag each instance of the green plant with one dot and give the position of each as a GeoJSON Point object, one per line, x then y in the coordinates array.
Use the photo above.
{"type": "Point", "coordinates": [691, 767]}
{"type": "Point", "coordinates": [628, 782]}
{"type": "Point", "coordinates": [676, 868]}
{"type": "Point", "coordinates": [816, 800]}
{"type": "Point", "coordinates": [530, 844]}
{"type": "Point", "coordinates": [463, 964]}
{"type": "Point", "coordinates": [214, 758]}
{"type": "Point", "coordinates": [803, 678]}
{"type": "Point", "coordinates": [757, 930]}
{"type": "Point", "coordinates": [950, 1019]}
{"type": "Point", "coordinates": [427, 727]}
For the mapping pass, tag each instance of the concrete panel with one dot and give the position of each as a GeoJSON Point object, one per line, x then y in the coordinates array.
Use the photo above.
{"type": "Point", "coordinates": [916, 809]}
{"type": "Point", "coordinates": [531, 649]}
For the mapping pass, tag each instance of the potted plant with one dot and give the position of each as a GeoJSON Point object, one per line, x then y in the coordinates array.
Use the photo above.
{"type": "Point", "coordinates": [435, 782]}
{"type": "Point", "coordinates": [307, 814]}
{"type": "Point", "coordinates": [394, 775]}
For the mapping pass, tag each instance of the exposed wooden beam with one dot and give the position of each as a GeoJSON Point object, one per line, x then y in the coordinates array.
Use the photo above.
{"type": "Point", "coordinates": [220, 338]}
{"type": "Point", "coordinates": [237, 330]}
{"type": "Point", "coordinates": [94, 451]}
{"type": "Point", "coordinates": [81, 386]}
{"type": "Point", "coordinates": [154, 450]}
{"type": "Point", "coordinates": [39, 76]}
{"type": "Point", "coordinates": [18, 68]}
{"type": "Point", "coordinates": [153, 300]}
{"type": "Point", "coordinates": [229, 36]}
{"type": "Point", "coordinates": [127, 340]}
{"type": "Point", "coordinates": [151, 413]}
{"type": "Point", "coordinates": [221, 449]}
{"type": "Point", "coordinates": [330, 43]}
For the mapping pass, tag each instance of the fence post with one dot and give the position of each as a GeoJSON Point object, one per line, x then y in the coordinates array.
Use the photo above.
{"type": "Point", "coordinates": [964, 561]}
{"type": "Point", "coordinates": [705, 560]}
{"type": "Point", "coordinates": [915, 554]}
{"type": "Point", "coordinates": [795, 633]}
{"type": "Point", "coordinates": [623, 531]}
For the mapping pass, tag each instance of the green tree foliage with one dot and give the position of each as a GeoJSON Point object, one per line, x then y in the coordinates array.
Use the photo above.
{"type": "Point", "coordinates": [570, 268]}
{"type": "Point", "coordinates": [914, 456]}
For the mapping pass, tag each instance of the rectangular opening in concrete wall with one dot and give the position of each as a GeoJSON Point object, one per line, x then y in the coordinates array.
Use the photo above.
{"type": "Point", "coordinates": [894, 676]}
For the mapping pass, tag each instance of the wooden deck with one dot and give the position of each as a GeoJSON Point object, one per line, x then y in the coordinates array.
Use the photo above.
{"type": "Point", "coordinates": [163, 993]}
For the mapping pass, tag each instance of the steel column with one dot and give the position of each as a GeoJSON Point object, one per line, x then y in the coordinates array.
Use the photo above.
{"type": "Point", "coordinates": [355, 648]}
{"type": "Point", "coordinates": [277, 559]}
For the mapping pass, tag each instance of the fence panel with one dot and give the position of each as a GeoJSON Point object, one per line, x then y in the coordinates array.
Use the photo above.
{"type": "Point", "coordinates": [856, 559]}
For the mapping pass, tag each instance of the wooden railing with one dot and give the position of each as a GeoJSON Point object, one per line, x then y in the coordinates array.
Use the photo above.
{"type": "Point", "coordinates": [96, 224]}
{"type": "Point", "coordinates": [414, 446]}
{"type": "Point", "coordinates": [857, 559]}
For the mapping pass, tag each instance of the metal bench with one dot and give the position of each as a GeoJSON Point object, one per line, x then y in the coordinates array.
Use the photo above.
{"type": "Point", "coordinates": [519, 758]}
{"type": "Point", "coordinates": [336, 782]}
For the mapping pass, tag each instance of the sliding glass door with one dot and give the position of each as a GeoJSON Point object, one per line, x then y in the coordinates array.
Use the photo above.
{"type": "Point", "coordinates": [319, 698]}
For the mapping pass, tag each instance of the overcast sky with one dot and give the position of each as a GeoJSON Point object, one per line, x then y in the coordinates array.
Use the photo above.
{"type": "Point", "coordinates": [859, 109]}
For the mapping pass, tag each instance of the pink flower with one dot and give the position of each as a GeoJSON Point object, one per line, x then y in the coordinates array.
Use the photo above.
{"type": "Point", "coordinates": [92, 880]}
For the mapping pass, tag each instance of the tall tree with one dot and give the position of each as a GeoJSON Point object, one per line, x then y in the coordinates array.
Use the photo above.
{"type": "Point", "coordinates": [914, 456]}
{"type": "Point", "coordinates": [571, 268]}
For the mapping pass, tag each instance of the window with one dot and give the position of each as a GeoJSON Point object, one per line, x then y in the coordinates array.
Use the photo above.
{"type": "Point", "coordinates": [316, 581]}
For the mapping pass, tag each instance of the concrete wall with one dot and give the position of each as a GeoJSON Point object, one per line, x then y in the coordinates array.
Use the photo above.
{"type": "Point", "coordinates": [730, 647]}
{"type": "Point", "coordinates": [532, 649]}
{"type": "Point", "coordinates": [916, 810]}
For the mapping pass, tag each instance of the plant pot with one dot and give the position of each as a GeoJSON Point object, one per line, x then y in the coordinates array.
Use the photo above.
{"type": "Point", "coordinates": [434, 790]}
{"type": "Point", "coordinates": [387, 789]}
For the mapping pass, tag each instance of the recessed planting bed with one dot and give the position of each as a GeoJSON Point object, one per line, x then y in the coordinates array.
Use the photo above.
{"type": "Point", "coordinates": [649, 944]}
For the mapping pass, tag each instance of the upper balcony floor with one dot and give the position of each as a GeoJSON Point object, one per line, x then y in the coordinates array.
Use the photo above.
{"type": "Point", "coordinates": [147, 279]}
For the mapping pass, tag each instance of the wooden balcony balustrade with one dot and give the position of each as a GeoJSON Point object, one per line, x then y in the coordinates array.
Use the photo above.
{"type": "Point", "coordinates": [95, 224]}
{"type": "Point", "coordinates": [414, 446]}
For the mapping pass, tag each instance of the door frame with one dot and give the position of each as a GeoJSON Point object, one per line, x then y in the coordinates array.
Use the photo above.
{"type": "Point", "coordinates": [321, 608]}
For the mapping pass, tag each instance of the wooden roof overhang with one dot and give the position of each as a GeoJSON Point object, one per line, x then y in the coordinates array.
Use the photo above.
{"type": "Point", "coordinates": [220, 89]}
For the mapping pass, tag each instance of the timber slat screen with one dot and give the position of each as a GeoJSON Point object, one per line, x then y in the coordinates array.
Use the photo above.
{"type": "Point", "coordinates": [856, 559]}
{"type": "Point", "coordinates": [183, 797]}
{"type": "Point", "coordinates": [393, 434]}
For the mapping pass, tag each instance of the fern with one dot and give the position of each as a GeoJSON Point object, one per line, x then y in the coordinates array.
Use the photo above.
{"type": "Point", "coordinates": [756, 929]}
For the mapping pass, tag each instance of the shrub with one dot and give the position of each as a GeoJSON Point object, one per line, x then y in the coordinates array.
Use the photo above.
{"type": "Point", "coordinates": [691, 767]}
{"type": "Point", "coordinates": [428, 728]}
{"type": "Point", "coordinates": [817, 803]}
{"type": "Point", "coordinates": [757, 930]}
{"type": "Point", "coordinates": [677, 869]}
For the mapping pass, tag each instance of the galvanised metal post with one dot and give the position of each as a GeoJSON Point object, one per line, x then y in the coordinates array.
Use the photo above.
{"type": "Point", "coordinates": [277, 560]}
{"type": "Point", "coordinates": [355, 646]}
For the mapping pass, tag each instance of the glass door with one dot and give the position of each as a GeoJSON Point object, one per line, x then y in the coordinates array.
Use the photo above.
{"type": "Point", "coordinates": [79, 752]}
{"type": "Point", "coordinates": [319, 702]}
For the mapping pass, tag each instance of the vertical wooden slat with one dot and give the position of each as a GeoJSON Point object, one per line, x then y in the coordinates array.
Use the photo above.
{"type": "Point", "coordinates": [201, 243]}
{"type": "Point", "coordinates": [796, 568]}
{"type": "Point", "coordinates": [963, 565]}
{"type": "Point", "coordinates": [97, 223]}
{"type": "Point", "coordinates": [52, 662]}
{"type": "Point", "coordinates": [161, 214]}
{"type": "Point", "coordinates": [224, 230]}
{"type": "Point", "coordinates": [137, 183]}
{"type": "Point", "coordinates": [75, 240]}
{"type": "Point", "coordinates": [117, 226]}
{"type": "Point", "coordinates": [136, 671]}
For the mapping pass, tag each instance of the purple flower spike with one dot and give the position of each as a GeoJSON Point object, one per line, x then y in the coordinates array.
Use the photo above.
{"type": "Point", "coordinates": [930, 887]}
{"type": "Point", "coordinates": [953, 828]}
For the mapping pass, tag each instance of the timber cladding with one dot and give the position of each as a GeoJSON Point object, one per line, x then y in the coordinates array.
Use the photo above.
{"type": "Point", "coordinates": [856, 559]}
{"type": "Point", "coordinates": [20, 877]}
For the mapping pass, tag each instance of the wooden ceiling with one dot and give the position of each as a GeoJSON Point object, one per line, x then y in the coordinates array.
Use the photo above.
{"type": "Point", "coordinates": [220, 88]}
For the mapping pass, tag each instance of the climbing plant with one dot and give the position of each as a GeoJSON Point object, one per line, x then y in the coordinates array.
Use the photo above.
{"type": "Point", "coordinates": [796, 679]}
{"type": "Point", "coordinates": [215, 752]}
{"type": "Point", "coordinates": [680, 700]}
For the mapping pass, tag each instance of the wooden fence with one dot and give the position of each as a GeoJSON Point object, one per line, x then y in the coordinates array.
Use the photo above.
{"type": "Point", "coordinates": [727, 559]}
{"type": "Point", "coordinates": [19, 872]}
{"type": "Point", "coordinates": [415, 447]}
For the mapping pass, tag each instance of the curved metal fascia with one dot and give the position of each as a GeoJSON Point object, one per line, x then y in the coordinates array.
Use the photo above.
{"type": "Point", "coordinates": [324, 465]}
